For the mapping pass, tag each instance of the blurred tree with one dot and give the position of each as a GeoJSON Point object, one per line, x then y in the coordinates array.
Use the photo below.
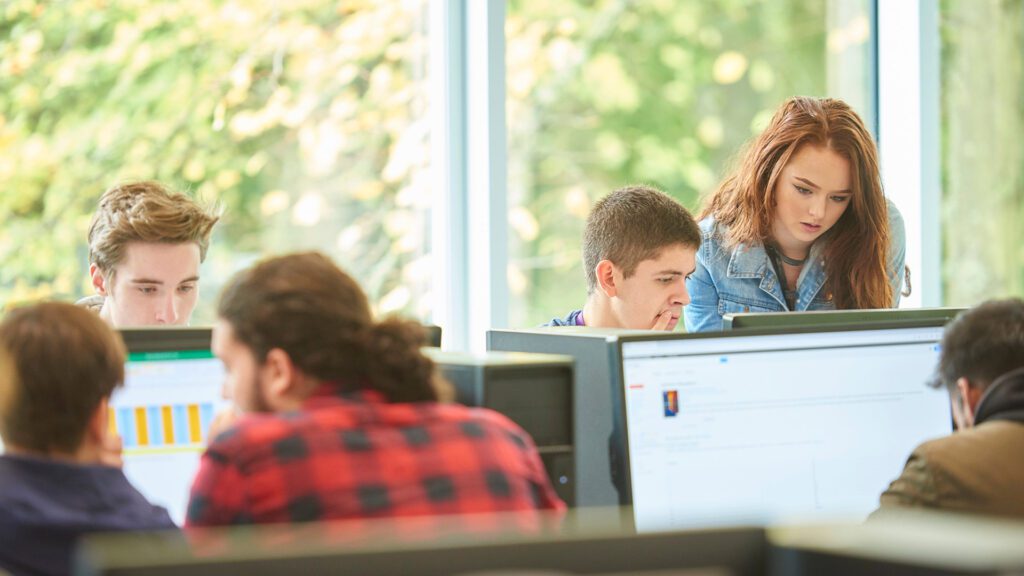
{"type": "Point", "coordinates": [306, 120]}
{"type": "Point", "coordinates": [982, 153]}
{"type": "Point", "coordinates": [664, 92]}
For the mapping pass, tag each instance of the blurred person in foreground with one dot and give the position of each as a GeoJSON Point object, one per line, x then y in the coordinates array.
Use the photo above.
{"type": "Point", "coordinates": [342, 415]}
{"type": "Point", "coordinates": [60, 474]}
{"type": "Point", "coordinates": [980, 468]}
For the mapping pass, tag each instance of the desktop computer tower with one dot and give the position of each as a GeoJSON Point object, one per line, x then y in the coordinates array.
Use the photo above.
{"type": "Point", "coordinates": [533, 390]}
{"type": "Point", "coordinates": [593, 399]}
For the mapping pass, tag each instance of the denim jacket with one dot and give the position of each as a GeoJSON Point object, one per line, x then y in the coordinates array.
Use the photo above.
{"type": "Point", "coordinates": [742, 279]}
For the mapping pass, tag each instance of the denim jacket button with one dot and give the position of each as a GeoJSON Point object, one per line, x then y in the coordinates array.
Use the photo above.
{"type": "Point", "coordinates": [746, 308]}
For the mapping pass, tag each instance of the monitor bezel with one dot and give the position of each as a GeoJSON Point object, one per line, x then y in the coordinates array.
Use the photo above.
{"type": "Point", "coordinates": [170, 339]}
{"type": "Point", "coordinates": [434, 334]}
{"type": "Point", "coordinates": [837, 318]}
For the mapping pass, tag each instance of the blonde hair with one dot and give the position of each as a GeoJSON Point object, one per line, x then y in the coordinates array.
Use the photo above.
{"type": "Point", "coordinates": [146, 212]}
{"type": "Point", "coordinates": [858, 244]}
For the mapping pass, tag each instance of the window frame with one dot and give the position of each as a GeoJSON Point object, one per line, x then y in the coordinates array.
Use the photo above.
{"type": "Point", "coordinates": [469, 151]}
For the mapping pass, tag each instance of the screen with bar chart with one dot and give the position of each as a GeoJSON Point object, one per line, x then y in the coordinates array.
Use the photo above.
{"type": "Point", "coordinates": [163, 414]}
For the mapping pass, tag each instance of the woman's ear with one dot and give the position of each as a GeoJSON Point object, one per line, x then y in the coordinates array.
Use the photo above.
{"type": "Point", "coordinates": [606, 282]}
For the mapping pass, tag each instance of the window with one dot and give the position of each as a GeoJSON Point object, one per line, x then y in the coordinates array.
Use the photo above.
{"type": "Point", "coordinates": [307, 121]}
{"type": "Point", "coordinates": [663, 92]}
{"type": "Point", "coordinates": [982, 119]}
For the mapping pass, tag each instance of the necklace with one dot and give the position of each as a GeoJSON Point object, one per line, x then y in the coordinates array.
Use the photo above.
{"type": "Point", "coordinates": [787, 260]}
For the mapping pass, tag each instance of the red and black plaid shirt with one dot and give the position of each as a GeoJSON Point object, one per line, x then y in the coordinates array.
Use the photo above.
{"type": "Point", "coordinates": [354, 455]}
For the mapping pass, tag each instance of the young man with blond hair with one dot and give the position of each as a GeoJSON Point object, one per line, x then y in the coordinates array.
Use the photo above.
{"type": "Point", "coordinates": [60, 474]}
{"type": "Point", "coordinates": [145, 247]}
{"type": "Point", "coordinates": [639, 246]}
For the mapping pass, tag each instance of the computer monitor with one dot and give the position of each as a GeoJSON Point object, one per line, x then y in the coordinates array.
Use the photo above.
{"type": "Point", "coordinates": [433, 336]}
{"type": "Point", "coordinates": [765, 427]}
{"type": "Point", "coordinates": [171, 393]}
{"type": "Point", "coordinates": [840, 318]}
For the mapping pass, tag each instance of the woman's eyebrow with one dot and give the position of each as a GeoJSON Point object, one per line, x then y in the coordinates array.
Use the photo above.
{"type": "Point", "coordinates": [815, 186]}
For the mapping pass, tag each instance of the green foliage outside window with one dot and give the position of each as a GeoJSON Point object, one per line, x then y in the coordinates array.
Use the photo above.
{"type": "Point", "coordinates": [306, 120]}
{"type": "Point", "coordinates": [663, 92]}
{"type": "Point", "coordinates": [982, 151]}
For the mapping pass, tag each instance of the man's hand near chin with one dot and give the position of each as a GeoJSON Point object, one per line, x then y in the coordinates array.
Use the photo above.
{"type": "Point", "coordinates": [111, 451]}
{"type": "Point", "coordinates": [224, 420]}
{"type": "Point", "coordinates": [667, 320]}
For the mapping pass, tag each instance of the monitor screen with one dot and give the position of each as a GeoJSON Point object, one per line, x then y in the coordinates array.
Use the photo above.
{"type": "Point", "coordinates": [162, 414]}
{"type": "Point", "coordinates": [774, 427]}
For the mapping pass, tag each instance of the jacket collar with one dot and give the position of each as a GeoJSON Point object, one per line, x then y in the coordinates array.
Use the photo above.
{"type": "Point", "coordinates": [1004, 399]}
{"type": "Point", "coordinates": [751, 261]}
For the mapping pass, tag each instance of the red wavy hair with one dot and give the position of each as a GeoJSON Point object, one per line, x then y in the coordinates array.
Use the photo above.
{"type": "Point", "coordinates": [858, 243]}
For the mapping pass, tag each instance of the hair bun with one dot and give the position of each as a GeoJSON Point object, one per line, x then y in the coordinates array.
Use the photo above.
{"type": "Point", "coordinates": [396, 365]}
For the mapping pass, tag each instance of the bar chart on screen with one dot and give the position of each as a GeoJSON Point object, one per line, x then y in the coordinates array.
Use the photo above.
{"type": "Point", "coordinates": [162, 428]}
{"type": "Point", "coordinates": [163, 414]}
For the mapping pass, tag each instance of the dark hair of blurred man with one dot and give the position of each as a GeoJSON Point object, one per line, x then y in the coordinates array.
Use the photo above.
{"type": "Point", "coordinates": [979, 469]}
{"type": "Point", "coordinates": [60, 474]}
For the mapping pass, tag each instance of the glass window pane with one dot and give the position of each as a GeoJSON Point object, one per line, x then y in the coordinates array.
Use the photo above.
{"type": "Point", "coordinates": [306, 120]}
{"type": "Point", "coordinates": [982, 115]}
{"type": "Point", "coordinates": [663, 92]}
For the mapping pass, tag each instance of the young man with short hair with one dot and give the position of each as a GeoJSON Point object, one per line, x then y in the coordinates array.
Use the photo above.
{"type": "Point", "coordinates": [639, 246]}
{"type": "Point", "coordinates": [60, 474]}
{"type": "Point", "coordinates": [979, 469]}
{"type": "Point", "coordinates": [341, 414]}
{"type": "Point", "coordinates": [145, 247]}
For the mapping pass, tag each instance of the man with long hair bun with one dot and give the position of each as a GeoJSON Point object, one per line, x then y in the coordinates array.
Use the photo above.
{"type": "Point", "coordinates": [341, 414]}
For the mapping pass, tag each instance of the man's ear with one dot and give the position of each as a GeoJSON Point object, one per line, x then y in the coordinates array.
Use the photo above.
{"type": "Point", "coordinates": [970, 396]}
{"type": "Point", "coordinates": [280, 378]}
{"type": "Point", "coordinates": [606, 281]}
{"type": "Point", "coordinates": [99, 280]}
{"type": "Point", "coordinates": [99, 424]}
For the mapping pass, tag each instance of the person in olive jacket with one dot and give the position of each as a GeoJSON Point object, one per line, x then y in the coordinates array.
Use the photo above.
{"type": "Point", "coordinates": [980, 468]}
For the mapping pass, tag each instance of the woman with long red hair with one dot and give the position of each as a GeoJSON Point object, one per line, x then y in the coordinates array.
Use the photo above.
{"type": "Point", "coordinates": [800, 224]}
